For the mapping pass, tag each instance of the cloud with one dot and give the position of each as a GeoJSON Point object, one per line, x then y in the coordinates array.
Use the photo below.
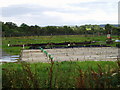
{"type": "Point", "coordinates": [60, 12]}
{"type": "Point", "coordinates": [98, 15]}
{"type": "Point", "coordinates": [47, 3]}
{"type": "Point", "coordinates": [17, 10]}
{"type": "Point", "coordinates": [13, 11]}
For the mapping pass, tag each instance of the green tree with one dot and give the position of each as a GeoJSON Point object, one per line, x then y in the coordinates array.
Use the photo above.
{"type": "Point", "coordinates": [108, 28]}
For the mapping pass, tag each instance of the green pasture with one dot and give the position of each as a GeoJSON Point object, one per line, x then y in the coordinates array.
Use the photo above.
{"type": "Point", "coordinates": [48, 39]}
{"type": "Point", "coordinates": [85, 74]}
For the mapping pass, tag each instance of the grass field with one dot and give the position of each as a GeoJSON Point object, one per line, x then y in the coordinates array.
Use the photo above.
{"type": "Point", "coordinates": [87, 74]}
{"type": "Point", "coordinates": [48, 39]}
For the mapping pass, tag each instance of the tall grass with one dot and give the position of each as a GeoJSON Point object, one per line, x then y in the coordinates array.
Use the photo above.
{"type": "Point", "coordinates": [101, 74]}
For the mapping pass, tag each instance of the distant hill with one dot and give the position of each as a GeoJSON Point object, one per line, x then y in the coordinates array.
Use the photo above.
{"type": "Point", "coordinates": [103, 25]}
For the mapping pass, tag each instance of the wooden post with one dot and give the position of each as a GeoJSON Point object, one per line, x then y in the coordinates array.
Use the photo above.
{"type": "Point", "coordinates": [8, 45]}
{"type": "Point", "coordinates": [23, 46]}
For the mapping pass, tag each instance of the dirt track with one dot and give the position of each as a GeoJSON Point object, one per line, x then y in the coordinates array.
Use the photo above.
{"type": "Point", "coordinates": [72, 54]}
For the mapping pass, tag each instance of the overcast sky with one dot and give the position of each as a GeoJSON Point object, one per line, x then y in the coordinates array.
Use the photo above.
{"type": "Point", "coordinates": [59, 12]}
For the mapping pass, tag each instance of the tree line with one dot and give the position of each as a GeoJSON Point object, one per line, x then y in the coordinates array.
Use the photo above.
{"type": "Point", "coordinates": [10, 29]}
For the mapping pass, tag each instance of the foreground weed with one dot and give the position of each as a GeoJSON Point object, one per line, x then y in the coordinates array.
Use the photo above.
{"type": "Point", "coordinates": [60, 75]}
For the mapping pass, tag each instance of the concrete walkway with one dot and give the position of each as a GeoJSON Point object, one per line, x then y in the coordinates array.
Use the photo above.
{"type": "Point", "coordinates": [72, 54]}
{"type": "Point", "coordinates": [34, 55]}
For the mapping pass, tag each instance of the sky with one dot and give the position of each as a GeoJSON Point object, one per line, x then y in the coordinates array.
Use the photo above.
{"type": "Point", "coordinates": [59, 12]}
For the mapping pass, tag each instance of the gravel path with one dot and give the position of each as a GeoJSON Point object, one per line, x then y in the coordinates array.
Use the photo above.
{"type": "Point", "coordinates": [72, 54]}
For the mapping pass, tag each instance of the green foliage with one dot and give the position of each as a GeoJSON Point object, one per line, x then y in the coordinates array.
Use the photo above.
{"type": "Point", "coordinates": [11, 29]}
{"type": "Point", "coordinates": [86, 74]}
